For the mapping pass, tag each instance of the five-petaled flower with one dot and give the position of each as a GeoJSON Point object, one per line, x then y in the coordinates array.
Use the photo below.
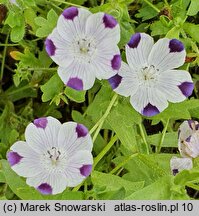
{"type": "Point", "coordinates": [188, 139]}
{"type": "Point", "coordinates": [84, 45]}
{"type": "Point", "coordinates": [54, 156]}
{"type": "Point", "coordinates": [149, 78]}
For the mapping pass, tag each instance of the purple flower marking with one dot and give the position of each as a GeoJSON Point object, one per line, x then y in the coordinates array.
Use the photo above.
{"type": "Point", "coordinates": [85, 170]}
{"type": "Point", "coordinates": [45, 188]}
{"type": "Point", "coordinates": [109, 21]}
{"type": "Point", "coordinates": [50, 47]}
{"type": "Point", "coordinates": [75, 83]}
{"type": "Point", "coordinates": [81, 130]}
{"type": "Point", "coordinates": [135, 40]}
{"type": "Point", "coordinates": [70, 13]}
{"type": "Point", "coordinates": [176, 45]}
{"type": "Point", "coordinates": [115, 81]}
{"type": "Point", "coordinates": [41, 122]}
{"type": "Point", "coordinates": [186, 88]}
{"type": "Point", "coordinates": [13, 158]}
{"type": "Point", "coordinates": [150, 110]}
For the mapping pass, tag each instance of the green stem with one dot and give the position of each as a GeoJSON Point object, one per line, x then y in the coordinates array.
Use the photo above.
{"type": "Point", "coordinates": [123, 163]}
{"type": "Point", "coordinates": [144, 138]}
{"type": "Point", "coordinates": [151, 5]}
{"type": "Point", "coordinates": [100, 122]}
{"type": "Point", "coordinates": [69, 3]}
{"type": "Point", "coordinates": [38, 69]}
{"type": "Point", "coordinates": [8, 45]}
{"type": "Point", "coordinates": [166, 3]}
{"type": "Point", "coordinates": [98, 158]}
{"type": "Point", "coordinates": [158, 149]}
{"type": "Point", "coordinates": [4, 58]}
{"type": "Point", "coordinates": [104, 151]}
{"type": "Point", "coordinates": [102, 2]}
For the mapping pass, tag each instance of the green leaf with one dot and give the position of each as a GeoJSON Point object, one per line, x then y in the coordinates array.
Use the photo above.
{"type": "Point", "coordinates": [2, 177]}
{"type": "Point", "coordinates": [124, 128]}
{"type": "Point", "coordinates": [170, 139]}
{"type": "Point", "coordinates": [112, 195]}
{"type": "Point", "coordinates": [66, 195]}
{"type": "Point", "coordinates": [178, 110]}
{"type": "Point", "coordinates": [18, 186]}
{"type": "Point", "coordinates": [74, 95]}
{"type": "Point", "coordinates": [24, 90]}
{"type": "Point", "coordinates": [146, 13]}
{"type": "Point", "coordinates": [46, 25]}
{"type": "Point", "coordinates": [51, 88]}
{"type": "Point", "coordinates": [143, 168]}
{"type": "Point", "coordinates": [112, 182]}
{"type": "Point", "coordinates": [193, 8]}
{"type": "Point", "coordinates": [162, 189]}
{"type": "Point", "coordinates": [18, 32]}
{"type": "Point", "coordinates": [30, 15]}
{"type": "Point", "coordinates": [159, 28]}
{"type": "Point", "coordinates": [192, 30]}
{"type": "Point", "coordinates": [99, 105]}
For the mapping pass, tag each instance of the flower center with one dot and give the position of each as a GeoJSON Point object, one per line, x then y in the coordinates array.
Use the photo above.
{"type": "Point", "coordinates": [148, 75]}
{"type": "Point", "coordinates": [54, 155]}
{"type": "Point", "coordinates": [54, 160]}
{"type": "Point", "coordinates": [84, 49]}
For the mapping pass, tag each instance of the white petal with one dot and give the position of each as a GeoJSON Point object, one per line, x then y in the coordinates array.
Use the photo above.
{"type": "Point", "coordinates": [56, 180]}
{"type": "Point", "coordinates": [192, 147]}
{"type": "Point", "coordinates": [148, 101]}
{"type": "Point", "coordinates": [138, 49]}
{"type": "Point", "coordinates": [29, 165]}
{"type": "Point", "coordinates": [59, 49]}
{"type": "Point", "coordinates": [73, 172]}
{"type": "Point", "coordinates": [78, 75]}
{"type": "Point", "coordinates": [69, 29]}
{"type": "Point", "coordinates": [97, 27]}
{"type": "Point", "coordinates": [74, 137]}
{"type": "Point", "coordinates": [80, 158]}
{"type": "Point", "coordinates": [129, 83]}
{"type": "Point", "coordinates": [178, 164]}
{"type": "Point", "coordinates": [41, 139]}
{"type": "Point", "coordinates": [106, 62]}
{"type": "Point", "coordinates": [164, 55]}
{"type": "Point", "coordinates": [169, 83]}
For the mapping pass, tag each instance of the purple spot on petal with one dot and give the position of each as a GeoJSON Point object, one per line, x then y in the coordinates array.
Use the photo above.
{"type": "Point", "coordinates": [150, 110]}
{"type": "Point", "coordinates": [115, 81]}
{"type": "Point", "coordinates": [81, 130]}
{"type": "Point", "coordinates": [50, 47]}
{"type": "Point", "coordinates": [175, 171]}
{"type": "Point", "coordinates": [134, 41]}
{"type": "Point", "coordinates": [85, 170]}
{"type": "Point", "coordinates": [75, 83]}
{"type": "Point", "coordinates": [188, 139]}
{"type": "Point", "coordinates": [109, 21]}
{"type": "Point", "coordinates": [190, 123]}
{"type": "Point", "coordinates": [41, 122]}
{"type": "Point", "coordinates": [197, 127]}
{"type": "Point", "coordinates": [176, 45]}
{"type": "Point", "coordinates": [13, 158]}
{"type": "Point", "coordinates": [116, 62]}
{"type": "Point", "coordinates": [70, 13]}
{"type": "Point", "coordinates": [186, 88]}
{"type": "Point", "coordinates": [45, 189]}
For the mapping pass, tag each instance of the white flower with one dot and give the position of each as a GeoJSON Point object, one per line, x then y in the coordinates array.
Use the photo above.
{"type": "Point", "coordinates": [84, 45]}
{"type": "Point", "coordinates": [149, 78]}
{"type": "Point", "coordinates": [188, 139]}
{"type": "Point", "coordinates": [178, 164]}
{"type": "Point", "coordinates": [54, 156]}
